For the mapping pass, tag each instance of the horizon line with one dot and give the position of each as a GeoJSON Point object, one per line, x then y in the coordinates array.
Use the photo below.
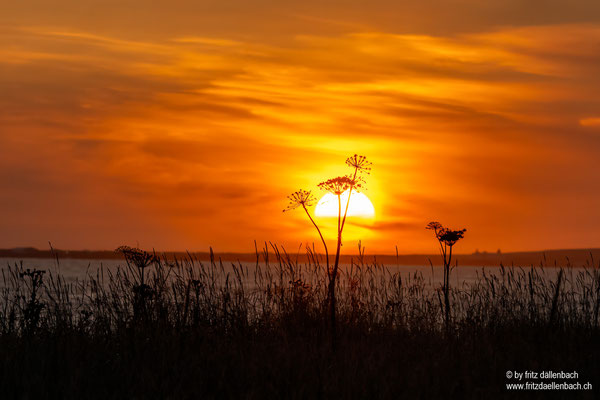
{"type": "Point", "coordinates": [483, 252]}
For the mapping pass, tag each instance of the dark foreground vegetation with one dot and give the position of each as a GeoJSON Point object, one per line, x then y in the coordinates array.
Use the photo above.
{"type": "Point", "coordinates": [184, 329]}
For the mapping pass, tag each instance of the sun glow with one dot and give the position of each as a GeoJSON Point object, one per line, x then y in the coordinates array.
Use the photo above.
{"type": "Point", "coordinates": [360, 205]}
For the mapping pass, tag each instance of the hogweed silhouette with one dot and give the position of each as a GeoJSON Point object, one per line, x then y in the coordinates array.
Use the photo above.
{"type": "Point", "coordinates": [33, 306]}
{"type": "Point", "coordinates": [446, 238]}
{"type": "Point", "coordinates": [138, 261]}
{"type": "Point", "coordinates": [336, 186]}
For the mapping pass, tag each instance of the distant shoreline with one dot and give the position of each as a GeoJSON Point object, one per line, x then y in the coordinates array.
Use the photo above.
{"type": "Point", "coordinates": [564, 258]}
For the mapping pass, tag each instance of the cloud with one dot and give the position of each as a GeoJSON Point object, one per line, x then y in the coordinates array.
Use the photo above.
{"type": "Point", "coordinates": [480, 127]}
{"type": "Point", "coordinates": [388, 226]}
{"type": "Point", "coordinates": [589, 122]}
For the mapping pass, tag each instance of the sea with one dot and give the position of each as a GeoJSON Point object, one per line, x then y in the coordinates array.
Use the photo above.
{"type": "Point", "coordinates": [73, 270]}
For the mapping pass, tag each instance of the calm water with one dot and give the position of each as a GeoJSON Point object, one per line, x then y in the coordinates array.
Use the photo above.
{"type": "Point", "coordinates": [73, 269]}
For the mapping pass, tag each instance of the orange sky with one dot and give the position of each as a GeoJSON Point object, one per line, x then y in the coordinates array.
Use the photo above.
{"type": "Point", "coordinates": [185, 124]}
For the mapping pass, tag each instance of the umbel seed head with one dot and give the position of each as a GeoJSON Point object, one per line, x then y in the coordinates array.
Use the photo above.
{"type": "Point", "coordinates": [339, 184]}
{"type": "Point", "coordinates": [446, 235]}
{"type": "Point", "coordinates": [360, 163]}
{"type": "Point", "coordinates": [300, 198]}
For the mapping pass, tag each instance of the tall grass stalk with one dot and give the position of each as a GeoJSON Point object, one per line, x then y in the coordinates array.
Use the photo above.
{"type": "Point", "coordinates": [203, 326]}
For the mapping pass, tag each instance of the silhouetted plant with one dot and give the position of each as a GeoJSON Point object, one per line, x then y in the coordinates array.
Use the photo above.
{"type": "Point", "coordinates": [33, 306]}
{"type": "Point", "coordinates": [447, 238]}
{"type": "Point", "coordinates": [301, 292]}
{"type": "Point", "coordinates": [337, 186]}
{"type": "Point", "coordinates": [304, 198]}
{"type": "Point", "coordinates": [137, 261]}
{"type": "Point", "coordinates": [227, 323]}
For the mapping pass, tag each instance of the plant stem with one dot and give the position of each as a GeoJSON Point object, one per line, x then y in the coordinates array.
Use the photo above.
{"type": "Point", "coordinates": [333, 275]}
{"type": "Point", "coordinates": [447, 284]}
{"type": "Point", "coordinates": [320, 234]}
{"type": "Point", "coordinates": [348, 202]}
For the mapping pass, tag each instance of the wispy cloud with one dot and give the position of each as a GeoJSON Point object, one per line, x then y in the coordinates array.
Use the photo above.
{"type": "Point", "coordinates": [589, 122]}
{"type": "Point", "coordinates": [478, 127]}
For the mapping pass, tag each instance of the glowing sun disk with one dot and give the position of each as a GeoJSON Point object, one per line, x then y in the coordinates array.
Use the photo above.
{"type": "Point", "coordinates": [360, 205]}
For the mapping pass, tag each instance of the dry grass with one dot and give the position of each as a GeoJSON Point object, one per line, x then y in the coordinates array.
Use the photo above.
{"type": "Point", "coordinates": [186, 328]}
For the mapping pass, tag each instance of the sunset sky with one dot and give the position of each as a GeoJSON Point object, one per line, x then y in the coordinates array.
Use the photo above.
{"type": "Point", "coordinates": [184, 124]}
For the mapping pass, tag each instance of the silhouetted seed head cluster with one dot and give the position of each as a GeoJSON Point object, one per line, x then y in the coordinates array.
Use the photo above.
{"type": "Point", "coordinates": [446, 235]}
{"type": "Point", "coordinates": [34, 274]}
{"type": "Point", "coordinates": [434, 226]}
{"type": "Point", "coordinates": [339, 184]}
{"type": "Point", "coordinates": [360, 163]}
{"type": "Point", "coordinates": [450, 237]}
{"type": "Point", "coordinates": [300, 198]}
{"type": "Point", "coordinates": [140, 258]}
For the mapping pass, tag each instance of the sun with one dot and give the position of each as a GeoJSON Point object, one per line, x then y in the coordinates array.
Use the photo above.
{"type": "Point", "coordinates": [360, 205]}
